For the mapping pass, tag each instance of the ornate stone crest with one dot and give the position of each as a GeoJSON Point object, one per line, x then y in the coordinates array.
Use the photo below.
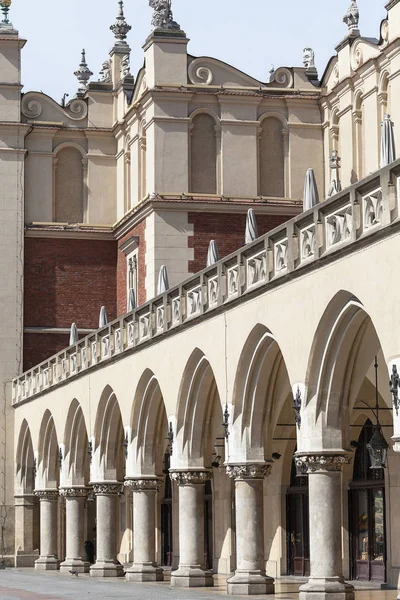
{"type": "Point", "coordinates": [162, 16]}
{"type": "Point", "coordinates": [312, 463]}
{"type": "Point", "coordinates": [251, 471]}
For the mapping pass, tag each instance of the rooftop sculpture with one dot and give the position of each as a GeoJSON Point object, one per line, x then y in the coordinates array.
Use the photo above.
{"type": "Point", "coordinates": [162, 16]}
{"type": "Point", "coordinates": [352, 18]}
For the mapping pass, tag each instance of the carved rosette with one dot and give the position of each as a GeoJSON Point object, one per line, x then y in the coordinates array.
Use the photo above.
{"type": "Point", "coordinates": [251, 471]}
{"type": "Point", "coordinates": [316, 463]}
{"type": "Point", "coordinates": [74, 492]}
{"type": "Point", "coordinates": [190, 477]}
{"type": "Point", "coordinates": [143, 485]}
{"type": "Point", "coordinates": [47, 494]}
{"type": "Point", "coordinates": [106, 488]}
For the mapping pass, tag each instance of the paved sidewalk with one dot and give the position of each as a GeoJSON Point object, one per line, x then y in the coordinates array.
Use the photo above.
{"type": "Point", "coordinates": [26, 584]}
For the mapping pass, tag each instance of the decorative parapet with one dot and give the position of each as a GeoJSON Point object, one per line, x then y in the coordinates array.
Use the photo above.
{"type": "Point", "coordinates": [337, 225]}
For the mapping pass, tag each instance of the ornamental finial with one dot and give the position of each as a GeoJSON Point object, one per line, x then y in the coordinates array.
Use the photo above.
{"type": "Point", "coordinates": [162, 16]}
{"type": "Point", "coordinates": [120, 28]}
{"type": "Point", "coordinates": [83, 74]}
{"type": "Point", "coordinates": [352, 18]}
{"type": "Point", "coordinates": [5, 7]}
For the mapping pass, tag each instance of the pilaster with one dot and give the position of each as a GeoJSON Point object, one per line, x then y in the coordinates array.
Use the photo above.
{"type": "Point", "coordinates": [106, 564]}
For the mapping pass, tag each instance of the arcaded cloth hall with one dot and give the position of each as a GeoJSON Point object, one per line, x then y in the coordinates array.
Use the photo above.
{"type": "Point", "coordinates": [230, 412]}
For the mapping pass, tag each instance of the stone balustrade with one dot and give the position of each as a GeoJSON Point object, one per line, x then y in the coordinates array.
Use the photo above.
{"type": "Point", "coordinates": [333, 227]}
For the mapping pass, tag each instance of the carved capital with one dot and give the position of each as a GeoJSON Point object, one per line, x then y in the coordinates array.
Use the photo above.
{"type": "Point", "coordinates": [251, 471]}
{"type": "Point", "coordinates": [143, 485]}
{"type": "Point", "coordinates": [47, 494]}
{"type": "Point", "coordinates": [104, 488]}
{"type": "Point", "coordinates": [190, 477]}
{"type": "Point", "coordinates": [74, 492]}
{"type": "Point", "coordinates": [314, 463]}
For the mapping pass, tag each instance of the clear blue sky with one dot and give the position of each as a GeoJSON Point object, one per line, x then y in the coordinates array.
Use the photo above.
{"type": "Point", "coordinates": [251, 35]}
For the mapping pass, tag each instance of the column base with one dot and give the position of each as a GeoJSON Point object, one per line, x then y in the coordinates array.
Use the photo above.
{"type": "Point", "coordinates": [188, 577]}
{"type": "Point", "coordinates": [326, 589]}
{"type": "Point", "coordinates": [144, 572]}
{"type": "Point", "coordinates": [247, 583]}
{"type": "Point", "coordinates": [109, 568]}
{"type": "Point", "coordinates": [47, 563]}
{"type": "Point", "coordinates": [74, 564]}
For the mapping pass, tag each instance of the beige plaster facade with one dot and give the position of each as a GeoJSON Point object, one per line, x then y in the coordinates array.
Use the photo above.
{"type": "Point", "coordinates": [299, 314]}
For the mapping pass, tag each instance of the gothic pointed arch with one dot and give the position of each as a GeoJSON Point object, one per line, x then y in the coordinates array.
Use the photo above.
{"type": "Point", "coordinates": [108, 446]}
{"type": "Point", "coordinates": [75, 465]}
{"type": "Point", "coordinates": [24, 462]}
{"type": "Point", "coordinates": [48, 472]}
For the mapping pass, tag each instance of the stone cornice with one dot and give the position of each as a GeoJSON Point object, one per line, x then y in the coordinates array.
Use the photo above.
{"type": "Point", "coordinates": [190, 477]}
{"type": "Point", "coordinates": [144, 484]}
{"type": "Point", "coordinates": [321, 462]}
{"type": "Point", "coordinates": [47, 494]}
{"type": "Point", "coordinates": [249, 471]}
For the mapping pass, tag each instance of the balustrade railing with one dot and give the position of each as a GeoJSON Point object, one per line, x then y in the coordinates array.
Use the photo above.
{"type": "Point", "coordinates": [355, 213]}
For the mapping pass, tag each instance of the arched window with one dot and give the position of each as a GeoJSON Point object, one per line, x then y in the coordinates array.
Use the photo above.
{"type": "Point", "coordinates": [203, 155]}
{"type": "Point", "coordinates": [69, 186]}
{"type": "Point", "coordinates": [272, 158]}
{"type": "Point", "coordinates": [384, 95]}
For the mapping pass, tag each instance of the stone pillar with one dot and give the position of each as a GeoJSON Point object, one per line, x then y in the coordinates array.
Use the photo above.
{"type": "Point", "coordinates": [75, 498]}
{"type": "Point", "coordinates": [48, 559]}
{"type": "Point", "coordinates": [144, 566]}
{"type": "Point", "coordinates": [249, 577]}
{"type": "Point", "coordinates": [25, 555]}
{"type": "Point", "coordinates": [106, 512]}
{"type": "Point", "coordinates": [325, 500]}
{"type": "Point", "coordinates": [191, 572]}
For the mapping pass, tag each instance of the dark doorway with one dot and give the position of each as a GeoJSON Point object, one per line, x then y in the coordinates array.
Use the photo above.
{"type": "Point", "coordinates": [367, 515]}
{"type": "Point", "coordinates": [298, 535]}
{"type": "Point", "coordinates": [166, 517]}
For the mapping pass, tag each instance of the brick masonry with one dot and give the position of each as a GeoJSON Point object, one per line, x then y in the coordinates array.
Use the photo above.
{"type": "Point", "coordinates": [65, 281]}
{"type": "Point", "coordinates": [228, 230]}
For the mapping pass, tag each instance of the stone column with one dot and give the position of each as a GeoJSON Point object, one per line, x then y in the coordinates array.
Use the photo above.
{"type": "Point", "coordinates": [48, 559]}
{"type": "Point", "coordinates": [325, 500]}
{"type": "Point", "coordinates": [249, 577]}
{"type": "Point", "coordinates": [25, 555]}
{"type": "Point", "coordinates": [106, 564]}
{"type": "Point", "coordinates": [191, 572]}
{"type": "Point", "coordinates": [74, 517]}
{"type": "Point", "coordinates": [144, 566]}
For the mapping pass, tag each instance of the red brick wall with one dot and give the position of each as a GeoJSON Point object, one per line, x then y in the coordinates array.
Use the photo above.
{"type": "Point", "coordinates": [228, 230]}
{"type": "Point", "coordinates": [139, 230]}
{"type": "Point", "coordinates": [39, 346]}
{"type": "Point", "coordinates": [66, 281]}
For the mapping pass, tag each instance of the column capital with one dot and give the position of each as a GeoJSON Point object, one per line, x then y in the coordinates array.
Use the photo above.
{"type": "Point", "coordinates": [249, 471]}
{"type": "Point", "coordinates": [74, 492]}
{"type": "Point", "coordinates": [106, 487]}
{"type": "Point", "coordinates": [47, 494]}
{"type": "Point", "coordinates": [190, 477]}
{"type": "Point", "coordinates": [321, 462]}
{"type": "Point", "coordinates": [144, 484]}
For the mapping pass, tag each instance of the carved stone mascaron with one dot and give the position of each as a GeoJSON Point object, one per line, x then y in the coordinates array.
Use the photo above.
{"type": "Point", "coordinates": [106, 488]}
{"type": "Point", "coordinates": [74, 492]}
{"type": "Point", "coordinates": [250, 471]}
{"type": "Point", "coordinates": [313, 463]}
{"type": "Point", "coordinates": [143, 485]}
{"type": "Point", "coordinates": [47, 494]}
{"type": "Point", "coordinates": [190, 477]}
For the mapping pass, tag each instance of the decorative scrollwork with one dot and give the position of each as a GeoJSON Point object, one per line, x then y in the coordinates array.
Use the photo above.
{"type": "Point", "coordinates": [106, 488]}
{"type": "Point", "coordinates": [32, 109]}
{"type": "Point", "coordinates": [251, 471]}
{"type": "Point", "coordinates": [78, 108]}
{"type": "Point", "coordinates": [283, 77]}
{"type": "Point", "coordinates": [47, 494]}
{"type": "Point", "coordinates": [200, 74]}
{"type": "Point", "coordinates": [74, 492]}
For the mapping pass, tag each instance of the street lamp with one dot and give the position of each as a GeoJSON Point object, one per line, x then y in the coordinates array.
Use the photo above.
{"type": "Point", "coordinates": [377, 446]}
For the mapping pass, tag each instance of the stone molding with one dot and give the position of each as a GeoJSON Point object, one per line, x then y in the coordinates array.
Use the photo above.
{"type": "Point", "coordinates": [313, 463]}
{"type": "Point", "coordinates": [47, 494]}
{"type": "Point", "coordinates": [74, 492]}
{"type": "Point", "coordinates": [190, 477]}
{"type": "Point", "coordinates": [250, 471]}
{"type": "Point", "coordinates": [143, 485]}
{"type": "Point", "coordinates": [106, 488]}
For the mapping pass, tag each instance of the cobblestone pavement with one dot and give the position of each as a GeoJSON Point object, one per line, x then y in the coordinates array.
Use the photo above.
{"type": "Point", "coordinates": [26, 584]}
